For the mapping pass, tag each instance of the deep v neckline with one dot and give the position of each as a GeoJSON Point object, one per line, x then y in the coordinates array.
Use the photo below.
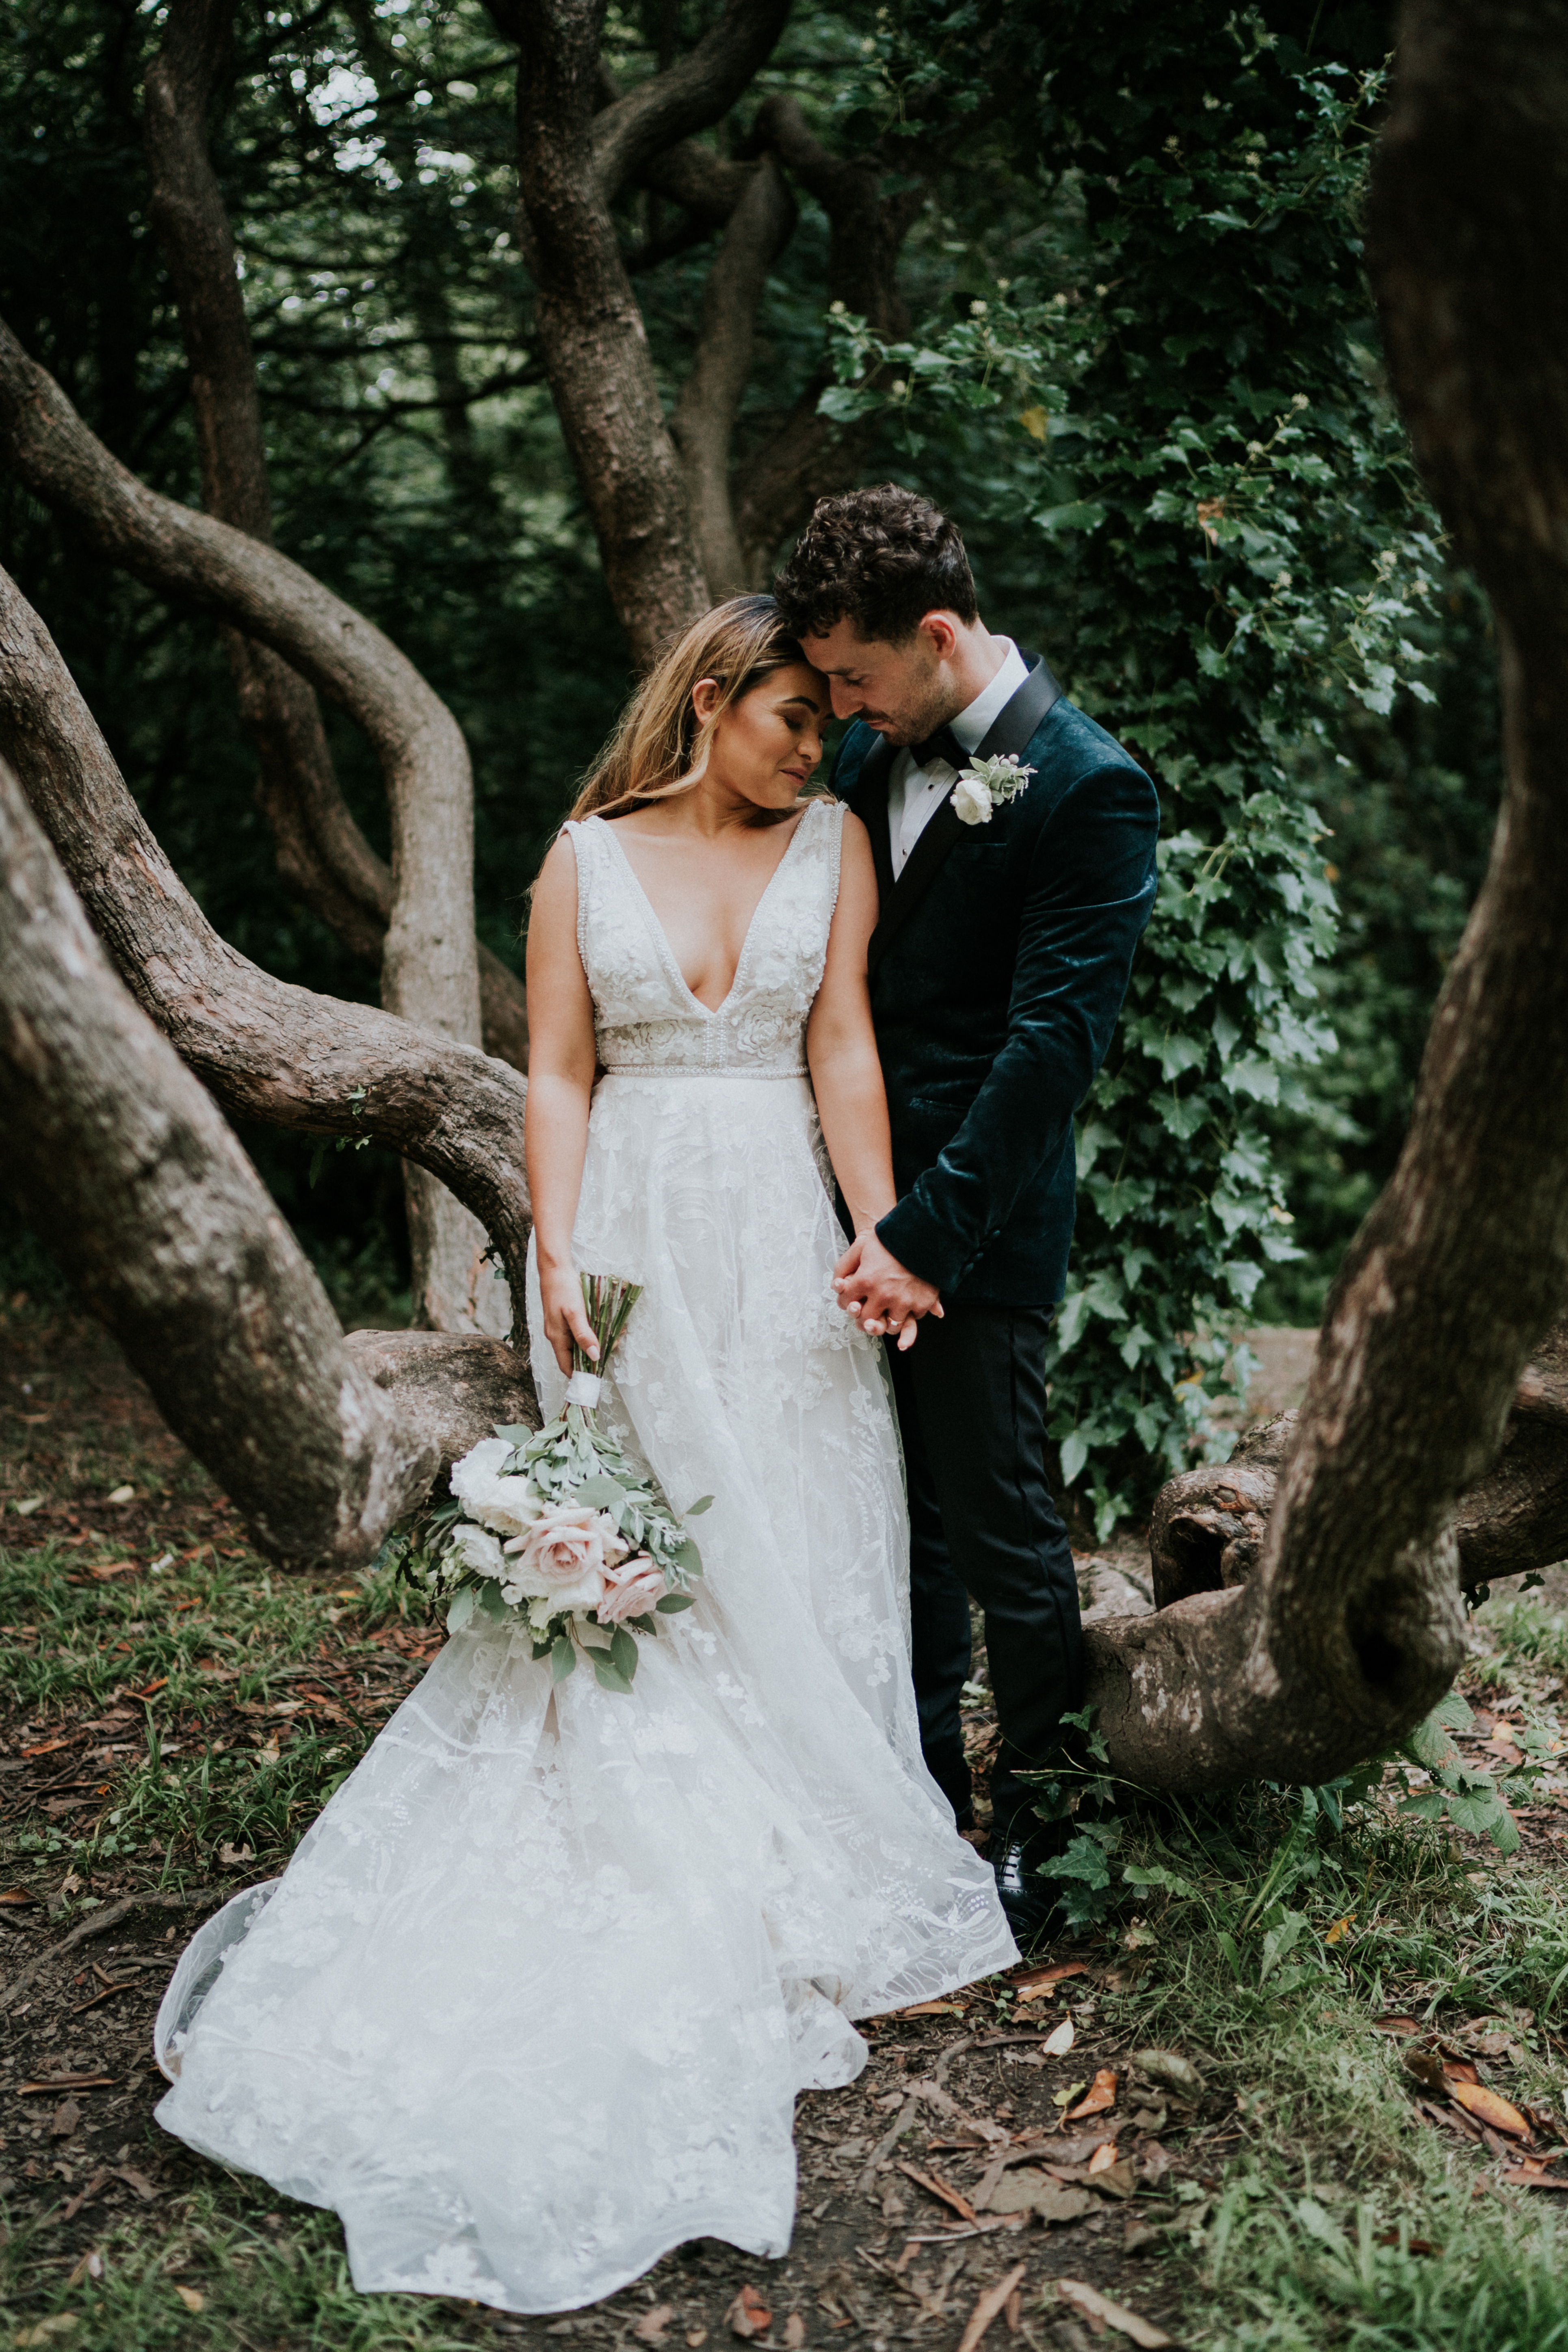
{"type": "Point", "coordinates": [672, 961]}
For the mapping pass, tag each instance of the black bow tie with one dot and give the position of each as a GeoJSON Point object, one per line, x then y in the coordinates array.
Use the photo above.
{"type": "Point", "coordinates": [943, 745]}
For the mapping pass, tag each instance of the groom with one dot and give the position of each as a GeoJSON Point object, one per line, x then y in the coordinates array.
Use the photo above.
{"type": "Point", "coordinates": [997, 970]}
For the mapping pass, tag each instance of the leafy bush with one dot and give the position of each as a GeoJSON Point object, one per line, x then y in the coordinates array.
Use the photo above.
{"type": "Point", "coordinates": [1183, 399]}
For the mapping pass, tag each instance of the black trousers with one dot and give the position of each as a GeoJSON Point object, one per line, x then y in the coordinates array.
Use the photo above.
{"type": "Point", "coordinates": [972, 1409]}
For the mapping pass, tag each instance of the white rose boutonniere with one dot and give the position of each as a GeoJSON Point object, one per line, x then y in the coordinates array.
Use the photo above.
{"type": "Point", "coordinates": [987, 784]}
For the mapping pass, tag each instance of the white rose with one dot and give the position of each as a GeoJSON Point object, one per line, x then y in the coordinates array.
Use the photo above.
{"type": "Point", "coordinates": [971, 800]}
{"type": "Point", "coordinates": [477, 1549]}
{"type": "Point", "coordinates": [509, 1506]}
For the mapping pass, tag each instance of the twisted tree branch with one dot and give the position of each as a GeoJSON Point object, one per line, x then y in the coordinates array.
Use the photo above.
{"type": "Point", "coordinates": [266, 1050]}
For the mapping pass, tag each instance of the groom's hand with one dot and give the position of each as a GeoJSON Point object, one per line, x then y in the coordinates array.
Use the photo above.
{"type": "Point", "coordinates": [882, 1295]}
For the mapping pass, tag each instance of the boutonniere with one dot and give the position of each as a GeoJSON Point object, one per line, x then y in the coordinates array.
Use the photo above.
{"type": "Point", "coordinates": [987, 784]}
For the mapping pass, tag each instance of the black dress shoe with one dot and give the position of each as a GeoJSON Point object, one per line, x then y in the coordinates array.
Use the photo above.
{"type": "Point", "coordinates": [1030, 1900]}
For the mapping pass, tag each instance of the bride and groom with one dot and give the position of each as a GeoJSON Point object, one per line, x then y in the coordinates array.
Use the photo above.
{"type": "Point", "coordinates": [533, 2002]}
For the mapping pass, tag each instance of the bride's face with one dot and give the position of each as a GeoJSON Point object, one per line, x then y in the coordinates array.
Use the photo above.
{"type": "Point", "coordinates": [767, 745]}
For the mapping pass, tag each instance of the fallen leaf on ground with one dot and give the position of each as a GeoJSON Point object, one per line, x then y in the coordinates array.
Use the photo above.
{"type": "Point", "coordinates": [1340, 1929]}
{"type": "Point", "coordinates": [1139, 2235]}
{"type": "Point", "coordinates": [1041, 1980]}
{"type": "Point", "coordinates": [190, 2298]}
{"type": "Point", "coordinates": [1113, 2180]}
{"type": "Point", "coordinates": [1459, 2070]}
{"type": "Point", "coordinates": [1153, 2163]}
{"type": "Point", "coordinates": [650, 2328]}
{"type": "Point", "coordinates": [85, 2196]}
{"type": "Point", "coordinates": [696, 2335]}
{"type": "Point", "coordinates": [1530, 2175]}
{"type": "Point", "coordinates": [47, 2331]}
{"type": "Point", "coordinates": [1103, 2158]}
{"type": "Point", "coordinates": [137, 2180]}
{"type": "Point", "coordinates": [988, 2307]}
{"type": "Point", "coordinates": [89, 2267]}
{"type": "Point", "coordinates": [64, 2083]}
{"type": "Point", "coordinates": [18, 1894]}
{"type": "Point", "coordinates": [1101, 2095]}
{"type": "Point", "coordinates": [932, 2008]}
{"type": "Point", "coordinates": [1033, 2192]}
{"type": "Point", "coordinates": [1394, 2025]}
{"type": "Point", "coordinates": [65, 2119]}
{"type": "Point", "coordinates": [1166, 2066]}
{"type": "Point", "coordinates": [794, 2331]}
{"type": "Point", "coordinates": [1412, 2245]}
{"type": "Point", "coordinates": [1426, 2068]}
{"type": "Point", "coordinates": [749, 2315]}
{"type": "Point", "coordinates": [1491, 2108]}
{"type": "Point", "coordinates": [1057, 2044]}
{"type": "Point", "coordinates": [1095, 2306]}
{"type": "Point", "coordinates": [1013, 2311]}
{"type": "Point", "coordinates": [935, 2186]}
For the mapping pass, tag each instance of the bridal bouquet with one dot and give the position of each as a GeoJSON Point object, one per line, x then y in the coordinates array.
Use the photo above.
{"type": "Point", "coordinates": [556, 1528]}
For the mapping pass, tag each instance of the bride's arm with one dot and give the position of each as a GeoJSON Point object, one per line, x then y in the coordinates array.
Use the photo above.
{"type": "Point", "coordinates": [560, 1085]}
{"type": "Point", "coordinates": [841, 1052]}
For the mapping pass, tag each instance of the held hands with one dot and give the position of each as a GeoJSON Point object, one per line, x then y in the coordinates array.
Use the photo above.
{"type": "Point", "coordinates": [566, 1316]}
{"type": "Point", "coordinates": [882, 1295]}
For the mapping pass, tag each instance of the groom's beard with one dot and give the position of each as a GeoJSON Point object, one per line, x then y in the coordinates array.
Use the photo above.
{"type": "Point", "coordinates": [912, 725]}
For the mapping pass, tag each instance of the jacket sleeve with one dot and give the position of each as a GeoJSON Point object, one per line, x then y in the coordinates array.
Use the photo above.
{"type": "Point", "coordinates": [1092, 887]}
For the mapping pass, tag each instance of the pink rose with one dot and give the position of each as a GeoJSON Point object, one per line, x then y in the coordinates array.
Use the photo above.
{"type": "Point", "coordinates": [632, 1589]}
{"type": "Point", "coordinates": [563, 1557]}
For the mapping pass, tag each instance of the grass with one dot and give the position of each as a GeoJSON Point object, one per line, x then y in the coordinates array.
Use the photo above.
{"type": "Point", "coordinates": [1340, 2215]}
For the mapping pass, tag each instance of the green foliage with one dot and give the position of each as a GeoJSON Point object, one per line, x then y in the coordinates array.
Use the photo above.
{"type": "Point", "coordinates": [1183, 399]}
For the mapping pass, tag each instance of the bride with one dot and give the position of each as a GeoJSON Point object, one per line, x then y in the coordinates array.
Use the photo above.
{"type": "Point", "coordinates": [534, 2001]}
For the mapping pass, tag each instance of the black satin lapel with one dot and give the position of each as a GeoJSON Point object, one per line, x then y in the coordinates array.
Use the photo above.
{"type": "Point", "coordinates": [1013, 730]}
{"type": "Point", "coordinates": [920, 872]}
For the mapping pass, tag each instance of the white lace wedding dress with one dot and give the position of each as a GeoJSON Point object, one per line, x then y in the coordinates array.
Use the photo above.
{"type": "Point", "coordinates": [531, 2004]}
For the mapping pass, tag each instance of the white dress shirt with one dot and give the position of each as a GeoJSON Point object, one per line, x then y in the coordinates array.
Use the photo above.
{"type": "Point", "coordinates": [915, 795]}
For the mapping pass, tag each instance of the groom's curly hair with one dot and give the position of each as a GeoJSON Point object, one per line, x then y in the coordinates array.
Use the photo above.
{"type": "Point", "coordinates": [881, 559]}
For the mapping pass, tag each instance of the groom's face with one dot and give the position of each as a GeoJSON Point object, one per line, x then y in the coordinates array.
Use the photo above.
{"type": "Point", "coordinates": [903, 691]}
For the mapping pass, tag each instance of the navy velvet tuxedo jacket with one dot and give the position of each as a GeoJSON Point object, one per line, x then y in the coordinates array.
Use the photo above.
{"type": "Point", "coordinates": [998, 967]}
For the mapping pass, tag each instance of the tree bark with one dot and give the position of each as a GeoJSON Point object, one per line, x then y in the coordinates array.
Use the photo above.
{"type": "Point", "coordinates": [124, 1165]}
{"type": "Point", "coordinates": [1349, 1627]}
{"type": "Point", "coordinates": [266, 1050]}
{"type": "Point", "coordinates": [444, 1392]}
{"type": "Point", "coordinates": [702, 423]}
{"type": "Point", "coordinates": [429, 973]}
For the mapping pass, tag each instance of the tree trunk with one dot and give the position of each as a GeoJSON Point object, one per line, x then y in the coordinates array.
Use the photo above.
{"type": "Point", "coordinates": [703, 422]}
{"type": "Point", "coordinates": [1349, 1628]}
{"type": "Point", "coordinates": [266, 1050]}
{"type": "Point", "coordinates": [123, 1164]}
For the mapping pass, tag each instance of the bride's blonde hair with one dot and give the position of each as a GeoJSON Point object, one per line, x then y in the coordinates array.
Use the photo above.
{"type": "Point", "coordinates": [660, 748]}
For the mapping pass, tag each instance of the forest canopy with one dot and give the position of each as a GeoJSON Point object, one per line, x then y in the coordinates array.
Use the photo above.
{"type": "Point", "coordinates": [1091, 277]}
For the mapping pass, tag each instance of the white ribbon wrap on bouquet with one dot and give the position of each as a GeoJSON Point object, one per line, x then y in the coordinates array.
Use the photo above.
{"type": "Point", "coordinates": [583, 1389]}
